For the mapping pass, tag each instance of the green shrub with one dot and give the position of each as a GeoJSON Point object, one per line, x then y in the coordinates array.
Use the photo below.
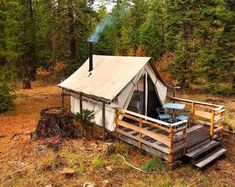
{"type": "Point", "coordinates": [7, 88]}
{"type": "Point", "coordinates": [221, 89]}
{"type": "Point", "coordinates": [6, 98]}
{"type": "Point", "coordinates": [98, 161]}
{"type": "Point", "coordinates": [154, 164]}
{"type": "Point", "coordinates": [85, 116]}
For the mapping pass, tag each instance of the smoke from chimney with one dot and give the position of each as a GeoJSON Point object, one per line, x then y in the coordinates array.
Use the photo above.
{"type": "Point", "coordinates": [99, 29]}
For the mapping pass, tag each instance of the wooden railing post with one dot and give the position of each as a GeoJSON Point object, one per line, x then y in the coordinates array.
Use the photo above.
{"type": "Point", "coordinates": [140, 134]}
{"type": "Point", "coordinates": [117, 126]}
{"type": "Point", "coordinates": [171, 136]}
{"type": "Point", "coordinates": [193, 112]}
{"type": "Point", "coordinates": [221, 124]}
{"type": "Point", "coordinates": [185, 140]}
{"type": "Point", "coordinates": [212, 123]}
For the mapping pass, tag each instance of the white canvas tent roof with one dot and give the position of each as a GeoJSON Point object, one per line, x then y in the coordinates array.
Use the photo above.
{"type": "Point", "coordinates": [109, 76]}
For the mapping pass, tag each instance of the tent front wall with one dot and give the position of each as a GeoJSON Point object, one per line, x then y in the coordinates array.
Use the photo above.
{"type": "Point", "coordinates": [122, 100]}
{"type": "Point", "coordinates": [96, 106]}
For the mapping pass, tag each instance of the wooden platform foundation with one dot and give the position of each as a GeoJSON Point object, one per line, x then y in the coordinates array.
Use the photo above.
{"type": "Point", "coordinates": [171, 142]}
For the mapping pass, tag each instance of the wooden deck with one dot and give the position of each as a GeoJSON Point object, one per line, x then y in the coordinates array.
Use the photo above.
{"type": "Point", "coordinates": [172, 141]}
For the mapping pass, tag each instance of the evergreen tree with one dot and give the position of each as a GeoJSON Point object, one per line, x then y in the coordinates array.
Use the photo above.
{"type": "Point", "coordinates": [183, 19]}
{"type": "Point", "coordinates": [8, 53]}
{"type": "Point", "coordinates": [152, 31]}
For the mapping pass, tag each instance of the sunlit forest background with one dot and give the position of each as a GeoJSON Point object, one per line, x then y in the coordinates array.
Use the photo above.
{"type": "Point", "coordinates": [192, 41]}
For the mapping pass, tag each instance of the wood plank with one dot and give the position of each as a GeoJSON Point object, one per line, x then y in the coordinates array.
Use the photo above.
{"type": "Point", "coordinates": [144, 117]}
{"type": "Point", "coordinates": [201, 122]}
{"type": "Point", "coordinates": [196, 102]}
{"type": "Point", "coordinates": [157, 126]}
{"type": "Point", "coordinates": [212, 126]}
{"type": "Point", "coordinates": [103, 119]}
{"type": "Point", "coordinates": [219, 120]}
{"type": "Point", "coordinates": [177, 148]}
{"type": "Point", "coordinates": [202, 143]}
{"type": "Point", "coordinates": [196, 136]}
{"type": "Point", "coordinates": [193, 128]}
{"type": "Point", "coordinates": [129, 116]}
{"type": "Point", "coordinates": [203, 114]}
{"type": "Point", "coordinates": [164, 139]}
{"type": "Point", "coordinates": [152, 119]}
{"type": "Point", "coordinates": [202, 149]}
{"type": "Point", "coordinates": [217, 112]}
{"type": "Point", "coordinates": [156, 146]}
{"type": "Point", "coordinates": [218, 129]}
{"type": "Point", "coordinates": [189, 130]}
{"type": "Point", "coordinates": [180, 129]}
{"type": "Point", "coordinates": [217, 153]}
{"type": "Point", "coordinates": [193, 111]}
{"type": "Point", "coordinates": [219, 109]}
{"type": "Point", "coordinates": [179, 138]}
{"type": "Point", "coordinates": [135, 133]}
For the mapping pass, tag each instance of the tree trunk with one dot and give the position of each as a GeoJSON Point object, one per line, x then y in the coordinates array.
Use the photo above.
{"type": "Point", "coordinates": [72, 30]}
{"type": "Point", "coordinates": [233, 84]}
{"type": "Point", "coordinates": [29, 58]}
{"type": "Point", "coordinates": [26, 84]}
{"type": "Point", "coordinates": [33, 65]}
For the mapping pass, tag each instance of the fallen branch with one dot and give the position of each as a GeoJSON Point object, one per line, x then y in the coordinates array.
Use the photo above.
{"type": "Point", "coordinates": [138, 169]}
{"type": "Point", "coordinates": [16, 134]}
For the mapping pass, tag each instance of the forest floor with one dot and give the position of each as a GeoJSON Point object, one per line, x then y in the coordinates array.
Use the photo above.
{"type": "Point", "coordinates": [24, 162]}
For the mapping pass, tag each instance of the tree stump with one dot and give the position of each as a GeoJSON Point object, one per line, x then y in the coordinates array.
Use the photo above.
{"type": "Point", "coordinates": [56, 122]}
{"type": "Point", "coordinates": [26, 84]}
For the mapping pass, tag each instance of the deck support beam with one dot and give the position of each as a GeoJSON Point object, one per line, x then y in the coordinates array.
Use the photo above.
{"type": "Point", "coordinates": [170, 156]}
{"type": "Point", "coordinates": [62, 99]}
{"type": "Point", "coordinates": [212, 124]}
{"type": "Point", "coordinates": [103, 119]}
{"type": "Point", "coordinates": [80, 102]}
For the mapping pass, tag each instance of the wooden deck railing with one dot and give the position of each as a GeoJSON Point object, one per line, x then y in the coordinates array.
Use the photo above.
{"type": "Point", "coordinates": [206, 114]}
{"type": "Point", "coordinates": [168, 138]}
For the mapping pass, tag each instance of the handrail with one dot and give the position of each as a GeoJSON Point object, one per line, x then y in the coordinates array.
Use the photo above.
{"type": "Point", "coordinates": [215, 113]}
{"type": "Point", "coordinates": [152, 119]}
{"type": "Point", "coordinates": [166, 134]}
{"type": "Point", "coordinates": [196, 102]}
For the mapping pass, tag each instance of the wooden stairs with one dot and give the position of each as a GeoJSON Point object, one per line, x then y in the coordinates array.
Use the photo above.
{"type": "Point", "coordinates": [205, 152]}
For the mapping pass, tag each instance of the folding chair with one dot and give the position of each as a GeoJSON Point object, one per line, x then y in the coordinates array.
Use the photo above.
{"type": "Point", "coordinates": [163, 115]}
{"type": "Point", "coordinates": [181, 117]}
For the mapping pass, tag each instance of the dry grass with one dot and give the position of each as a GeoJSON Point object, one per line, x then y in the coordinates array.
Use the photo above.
{"type": "Point", "coordinates": [22, 164]}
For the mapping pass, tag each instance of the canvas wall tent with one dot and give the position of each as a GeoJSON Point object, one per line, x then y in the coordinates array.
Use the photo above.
{"type": "Point", "coordinates": [115, 81]}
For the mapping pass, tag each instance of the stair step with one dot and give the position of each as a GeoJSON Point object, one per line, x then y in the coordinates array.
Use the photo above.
{"type": "Point", "coordinates": [197, 135]}
{"type": "Point", "coordinates": [193, 128]}
{"type": "Point", "coordinates": [202, 143]}
{"type": "Point", "coordinates": [211, 157]}
{"type": "Point", "coordinates": [202, 149]}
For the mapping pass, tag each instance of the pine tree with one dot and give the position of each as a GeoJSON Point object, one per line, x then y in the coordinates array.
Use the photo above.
{"type": "Point", "coordinates": [183, 19]}
{"type": "Point", "coordinates": [216, 54]}
{"type": "Point", "coordinates": [152, 31]}
{"type": "Point", "coordinates": [8, 53]}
